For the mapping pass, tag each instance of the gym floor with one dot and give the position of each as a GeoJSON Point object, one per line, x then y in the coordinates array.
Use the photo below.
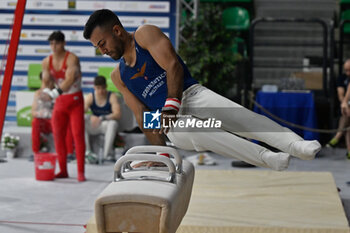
{"type": "Point", "coordinates": [64, 205]}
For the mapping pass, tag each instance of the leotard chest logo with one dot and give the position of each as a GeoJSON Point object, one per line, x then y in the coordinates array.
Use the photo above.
{"type": "Point", "coordinates": [140, 73]}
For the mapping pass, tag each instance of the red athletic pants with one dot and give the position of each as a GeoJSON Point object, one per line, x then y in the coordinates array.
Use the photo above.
{"type": "Point", "coordinates": [43, 126]}
{"type": "Point", "coordinates": [69, 111]}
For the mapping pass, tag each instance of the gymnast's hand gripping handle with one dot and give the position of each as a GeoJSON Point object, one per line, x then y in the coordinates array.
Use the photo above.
{"type": "Point", "coordinates": [118, 167]}
{"type": "Point", "coordinates": [162, 149]}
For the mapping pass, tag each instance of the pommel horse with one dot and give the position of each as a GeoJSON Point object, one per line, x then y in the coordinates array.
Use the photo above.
{"type": "Point", "coordinates": [149, 201]}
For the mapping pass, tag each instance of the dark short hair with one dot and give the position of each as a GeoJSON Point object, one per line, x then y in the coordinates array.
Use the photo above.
{"type": "Point", "coordinates": [101, 18]}
{"type": "Point", "coordinates": [100, 81]}
{"type": "Point", "coordinates": [57, 36]}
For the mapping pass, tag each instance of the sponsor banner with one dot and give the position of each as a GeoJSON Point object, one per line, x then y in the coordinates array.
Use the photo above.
{"type": "Point", "coordinates": [133, 21]}
{"type": "Point", "coordinates": [88, 80]}
{"type": "Point", "coordinates": [120, 6]}
{"type": "Point", "coordinates": [11, 113]}
{"type": "Point", "coordinates": [3, 49]}
{"type": "Point", "coordinates": [93, 66]}
{"type": "Point", "coordinates": [41, 19]}
{"type": "Point", "coordinates": [88, 84]}
{"type": "Point", "coordinates": [46, 5]}
{"type": "Point", "coordinates": [22, 65]}
{"type": "Point", "coordinates": [19, 80]}
{"type": "Point", "coordinates": [64, 20]}
{"type": "Point", "coordinates": [10, 122]}
{"type": "Point", "coordinates": [125, 6]}
{"type": "Point", "coordinates": [12, 96]}
{"type": "Point", "coordinates": [80, 20]}
{"type": "Point", "coordinates": [44, 50]}
{"type": "Point", "coordinates": [11, 110]}
{"type": "Point", "coordinates": [8, 4]}
{"type": "Point", "coordinates": [36, 4]}
{"type": "Point", "coordinates": [5, 34]}
{"type": "Point", "coordinates": [23, 99]}
{"type": "Point", "coordinates": [83, 51]}
{"type": "Point", "coordinates": [26, 34]}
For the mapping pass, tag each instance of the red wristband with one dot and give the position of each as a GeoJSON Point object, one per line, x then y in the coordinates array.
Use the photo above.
{"type": "Point", "coordinates": [172, 104]}
{"type": "Point", "coordinates": [163, 154]}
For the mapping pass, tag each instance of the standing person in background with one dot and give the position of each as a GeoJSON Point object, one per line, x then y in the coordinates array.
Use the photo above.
{"type": "Point", "coordinates": [342, 86]}
{"type": "Point", "coordinates": [64, 68]}
{"type": "Point", "coordinates": [41, 123]}
{"type": "Point", "coordinates": [106, 111]}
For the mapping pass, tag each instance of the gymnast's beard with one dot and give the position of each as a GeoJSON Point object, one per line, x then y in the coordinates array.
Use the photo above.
{"type": "Point", "coordinates": [115, 55]}
{"type": "Point", "coordinates": [118, 50]}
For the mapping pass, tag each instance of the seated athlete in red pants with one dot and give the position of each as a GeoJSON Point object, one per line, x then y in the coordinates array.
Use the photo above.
{"type": "Point", "coordinates": [41, 123]}
{"type": "Point", "coordinates": [64, 68]}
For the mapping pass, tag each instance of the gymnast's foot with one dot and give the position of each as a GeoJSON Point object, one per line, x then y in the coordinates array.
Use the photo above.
{"type": "Point", "coordinates": [61, 175]}
{"type": "Point", "coordinates": [276, 161]}
{"type": "Point", "coordinates": [305, 150]}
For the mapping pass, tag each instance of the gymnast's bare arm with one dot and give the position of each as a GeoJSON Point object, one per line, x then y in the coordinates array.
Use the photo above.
{"type": "Point", "coordinates": [159, 46]}
{"type": "Point", "coordinates": [35, 103]}
{"type": "Point", "coordinates": [136, 107]}
{"type": "Point", "coordinates": [153, 39]}
{"type": "Point", "coordinates": [87, 102]}
{"type": "Point", "coordinates": [46, 78]}
{"type": "Point", "coordinates": [72, 73]}
{"type": "Point", "coordinates": [116, 111]}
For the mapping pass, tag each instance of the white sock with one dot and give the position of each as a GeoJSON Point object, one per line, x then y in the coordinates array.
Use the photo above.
{"type": "Point", "coordinates": [276, 161]}
{"type": "Point", "coordinates": [305, 150]}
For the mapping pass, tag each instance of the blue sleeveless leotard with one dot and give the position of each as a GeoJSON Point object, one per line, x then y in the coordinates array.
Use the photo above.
{"type": "Point", "coordinates": [147, 80]}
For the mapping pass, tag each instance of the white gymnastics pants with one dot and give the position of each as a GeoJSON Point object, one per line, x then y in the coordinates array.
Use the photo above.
{"type": "Point", "coordinates": [108, 128]}
{"type": "Point", "coordinates": [202, 103]}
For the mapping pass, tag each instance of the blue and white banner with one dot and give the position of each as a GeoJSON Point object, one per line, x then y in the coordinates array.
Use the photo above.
{"type": "Point", "coordinates": [86, 66]}
{"type": "Point", "coordinates": [35, 5]}
{"type": "Point", "coordinates": [120, 6]}
{"type": "Point", "coordinates": [126, 6]}
{"type": "Point", "coordinates": [80, 20]}
{"type": "Point", "coordinates": [28, 35]}
{"type": "Point", "coordinates": [42, 17]}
